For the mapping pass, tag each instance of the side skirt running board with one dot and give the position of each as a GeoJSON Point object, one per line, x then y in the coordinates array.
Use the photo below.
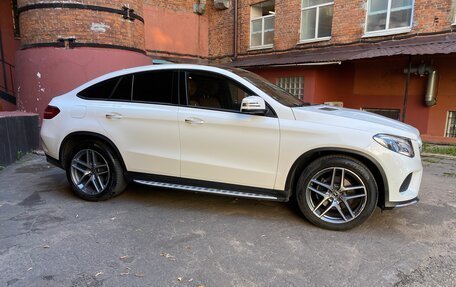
{"type": "Point", "coordinates": [208, 190]}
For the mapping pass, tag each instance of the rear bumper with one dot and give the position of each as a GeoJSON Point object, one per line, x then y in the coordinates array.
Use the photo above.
{"type": "Point", "coordinates": [54, 161]}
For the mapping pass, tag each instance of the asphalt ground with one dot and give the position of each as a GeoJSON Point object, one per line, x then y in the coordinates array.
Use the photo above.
{"type": "Point", "coordinates": [158, 237]}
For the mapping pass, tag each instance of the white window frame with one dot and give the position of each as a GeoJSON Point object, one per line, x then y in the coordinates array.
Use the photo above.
{"type": "Point", "coordinates": [262, 46]}
{"type": "Point", "coordinates": [453, 10]}
{"type": "Point", "coordinates": [317, 19]}
{"type": "Point", "coordinates": [388, 31]}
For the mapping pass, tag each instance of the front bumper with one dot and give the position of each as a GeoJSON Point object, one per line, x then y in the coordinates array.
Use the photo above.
{"type": "Point", "coordinates": [403, 175]}
{"type": "Point", "coordinates": [390, 205]}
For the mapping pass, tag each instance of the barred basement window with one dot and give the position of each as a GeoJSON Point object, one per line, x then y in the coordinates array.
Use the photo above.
{"type": "Point", "coordinates": [451, 125]}
{"type": "Point", "coordinates": [293, 85]}
{"type": "Point", "coordinates": [389, 113]}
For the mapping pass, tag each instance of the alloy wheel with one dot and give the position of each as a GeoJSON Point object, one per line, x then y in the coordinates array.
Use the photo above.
{"type": "Point", "coordinates": [336, 195]}
{"type": "Point", "coordinates": [90, 171]}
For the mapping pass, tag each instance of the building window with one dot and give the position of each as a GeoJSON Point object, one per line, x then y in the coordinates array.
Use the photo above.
{"type": "Point", "coordinates": [316, 19]}
{"type": "Point", "coordinates": [389, 16]}
{"type": "Point", "coordinates": [451, 125]}
{"type": "Point", "coordinates": [389, 113]}
{"type": "Point", "coordinates": [15, 15]}
{"type": "Point", "coordinates": [454, 16]}
{"type": "Point", "coordinates": [293, 85]}
{"type": "Point", "coordinates": [262, 25]}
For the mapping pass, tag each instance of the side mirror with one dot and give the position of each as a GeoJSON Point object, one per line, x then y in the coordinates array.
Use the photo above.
{"type": "Point", "coordinates": [253, 105]}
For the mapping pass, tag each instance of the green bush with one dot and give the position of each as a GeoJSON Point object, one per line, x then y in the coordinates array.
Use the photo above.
{"type": "Point", "coordinates": [440, 149]}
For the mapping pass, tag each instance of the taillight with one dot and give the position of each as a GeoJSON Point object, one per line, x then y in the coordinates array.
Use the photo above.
{"type": "Point", "coordinates": [50, 112]}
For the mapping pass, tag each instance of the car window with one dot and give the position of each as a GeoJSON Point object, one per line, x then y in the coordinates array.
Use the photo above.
{"type": "Point", "coordinates": [213, 91]}
{"type": "Point", "coordinates": [154, 86]}
{"type": "Point", "coordinates": [274, 91]}
{"type": "Point", "coordinates": [100, 90]}
{"type": "Point", "coordinates": [122, 89]}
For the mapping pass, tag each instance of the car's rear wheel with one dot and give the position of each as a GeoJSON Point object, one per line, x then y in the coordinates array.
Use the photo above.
{"type": "Point", "coordinates": [337, 192]}
{"type": "Point", "coordinates": [94, 172]}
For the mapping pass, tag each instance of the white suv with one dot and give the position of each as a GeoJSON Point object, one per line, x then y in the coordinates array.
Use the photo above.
{"type": "Point", "coordinates": [230, 132]}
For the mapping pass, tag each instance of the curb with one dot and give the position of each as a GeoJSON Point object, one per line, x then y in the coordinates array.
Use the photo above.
{"type": "Point", "coordinates": [445, 156]}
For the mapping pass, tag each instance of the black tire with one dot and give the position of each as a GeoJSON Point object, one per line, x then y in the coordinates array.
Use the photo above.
{"type": "Point", "coordinates": [344, 209]}
{"type": "Point", "coordinates": [114, 183]}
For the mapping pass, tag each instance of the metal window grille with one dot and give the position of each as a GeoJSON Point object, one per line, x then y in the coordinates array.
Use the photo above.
{"type": "Point", "coordinates": [451, 125]}
{"type": "Point", "coordinates": [389, 113]}
{"type": "Point", "coordinates": [293, 85]}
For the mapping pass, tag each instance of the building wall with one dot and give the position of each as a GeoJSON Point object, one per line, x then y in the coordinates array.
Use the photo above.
{"type": "Point", "coordinates": [104, 42]}
{"type": "Point", "coordinates": [221, 32]}
{"type": "Point", "coordinates": [10, 45]}
{"type": "Point", "coordinates": [446, 97]}
{"type": "Point", "coordinates": [173, 30]}
{"type": "Point", "coordinates": [86, 26]}
{"type": "Point", "coordinates": [380, 83]}
{"type": "Point", "coordinates": [48, 72]}
{"type": "Point", "coordinates": [429, 16]}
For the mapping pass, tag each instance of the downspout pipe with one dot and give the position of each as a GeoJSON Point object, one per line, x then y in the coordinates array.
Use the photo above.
{"type": "Point", "coordinates": [235, 34]}
{"type": "Point", "coordinates": [431, 92]}
{"type": "Point", "coordinates": [430, 99]}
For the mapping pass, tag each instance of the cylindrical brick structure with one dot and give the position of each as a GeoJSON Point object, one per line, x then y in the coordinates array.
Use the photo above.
{"type": "Point", "coordinates": [66, 43]}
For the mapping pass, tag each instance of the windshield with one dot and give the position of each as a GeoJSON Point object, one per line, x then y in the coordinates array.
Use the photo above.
{"type": "Point", "coordinates": [275, 92]}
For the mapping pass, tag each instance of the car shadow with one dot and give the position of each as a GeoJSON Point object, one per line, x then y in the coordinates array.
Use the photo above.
{"type": "Point", "coordinates": [140, 196]}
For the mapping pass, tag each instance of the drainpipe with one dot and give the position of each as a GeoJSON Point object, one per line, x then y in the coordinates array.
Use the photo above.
{"type": "Point", "coordinates": [235, 34]}
{"type": "Point", "coordinates": [407, 82]}
{"type": "Point", "coordinates": [431, 92]}
{"type": "Point", "coordinates": [422, 70]}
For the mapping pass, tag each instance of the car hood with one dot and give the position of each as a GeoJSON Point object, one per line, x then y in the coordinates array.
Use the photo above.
{"type": "Point", "coordinates": [356, 119]}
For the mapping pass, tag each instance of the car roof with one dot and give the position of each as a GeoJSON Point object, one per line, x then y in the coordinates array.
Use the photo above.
{"type": "Point", "coordinates": [157, 67]}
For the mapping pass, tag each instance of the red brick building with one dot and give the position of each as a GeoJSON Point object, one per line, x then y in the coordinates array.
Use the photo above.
{"type": "Point", "coordinates": [394, 57]}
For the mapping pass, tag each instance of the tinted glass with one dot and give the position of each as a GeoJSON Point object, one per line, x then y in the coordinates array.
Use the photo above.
{"type": "Point", "coordinates": [212, 91]}
{"type": "Point", "coordinates": [122, 90]}
{"type": "Point", "coordinates": [99, 91]}
{"type": "Point", "coordinates": [154, 87]}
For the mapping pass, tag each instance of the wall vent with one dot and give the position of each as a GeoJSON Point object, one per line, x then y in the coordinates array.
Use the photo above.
{"type": "Point", "coordinates": [222, 4]}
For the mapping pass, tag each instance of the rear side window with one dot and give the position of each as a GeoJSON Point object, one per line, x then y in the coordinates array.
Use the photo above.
{"type": "Point", "coordinates": [118, 88]}
{"type": "Point", "coordinates": [154, 87]}
{"type": "Point", "coordinates": [122, 91]}
{"type": "Point", "coordinates": [99, 91]}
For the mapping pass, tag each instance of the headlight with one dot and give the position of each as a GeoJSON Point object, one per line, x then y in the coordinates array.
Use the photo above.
{"type": "Point", "coordinates": [420, 144]}
{"type": "Point", "coordinates": [397, 144]}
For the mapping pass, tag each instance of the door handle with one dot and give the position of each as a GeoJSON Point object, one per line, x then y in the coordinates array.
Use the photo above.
{"type": "Point", "coordinates": [113, 116]}
{"type": "Point", "coordinates": [194, 121]}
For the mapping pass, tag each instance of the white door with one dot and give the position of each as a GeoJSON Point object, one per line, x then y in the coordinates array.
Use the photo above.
{"type": "Point", "coordinates": [145, 130]}
{"type": "Point", "coordinates": [220, 144]}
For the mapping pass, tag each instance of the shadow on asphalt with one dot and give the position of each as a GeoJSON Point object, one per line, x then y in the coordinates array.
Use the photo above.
{"type": "Point", "coordinates": [145, 196]}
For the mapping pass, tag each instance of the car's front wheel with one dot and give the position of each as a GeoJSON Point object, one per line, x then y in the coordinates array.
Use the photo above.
{"type": "Point", "coordinates": [337, 192]}
{"type": "Point", "coordinates": [94, 171]}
